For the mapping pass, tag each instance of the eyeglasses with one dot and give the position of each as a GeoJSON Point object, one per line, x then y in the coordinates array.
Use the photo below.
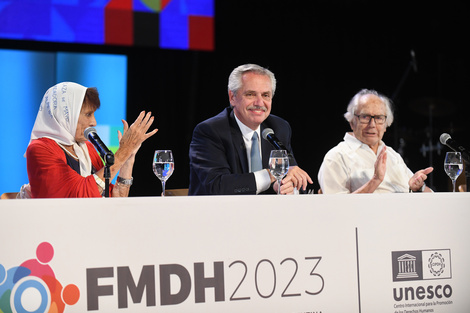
{"type": "Point", "coordinates": [365, 118]}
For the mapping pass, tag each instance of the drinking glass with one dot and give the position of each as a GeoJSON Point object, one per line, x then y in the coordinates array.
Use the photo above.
{"type": "Point", "coordinates": [278, 165]}
{"type": "Point", "coordinates": [163, 166]}
{"type": "Point", "coordinates": [453, 166]}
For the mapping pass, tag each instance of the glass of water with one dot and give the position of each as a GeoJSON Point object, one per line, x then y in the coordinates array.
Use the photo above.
{"type": "Point", "coordinates": [278, 165]}
{"type": "Point", "coordinates": [163, 166]}
{"type": "Point", "coordinates": [453, 166]}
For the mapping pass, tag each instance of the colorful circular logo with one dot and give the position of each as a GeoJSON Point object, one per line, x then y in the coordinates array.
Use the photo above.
{"type": "Point", "coordinates": [33, 288]}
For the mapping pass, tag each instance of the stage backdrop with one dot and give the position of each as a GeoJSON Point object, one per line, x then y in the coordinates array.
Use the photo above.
{"type": "Point", "coordinates": [310, 253]}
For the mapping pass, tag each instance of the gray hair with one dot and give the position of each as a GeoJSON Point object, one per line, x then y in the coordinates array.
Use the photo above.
{"type": "Point", "coordinates": [352, 106]}
{"type": "Point", "coordinates": [235, 78]}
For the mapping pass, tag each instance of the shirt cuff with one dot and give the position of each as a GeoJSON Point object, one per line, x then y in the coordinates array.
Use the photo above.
{"type": "Point", "coordinates": [263, 180]}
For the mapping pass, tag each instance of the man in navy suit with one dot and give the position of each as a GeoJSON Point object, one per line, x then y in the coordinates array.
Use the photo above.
{"type": "Point", "coordinates": [220, 149]}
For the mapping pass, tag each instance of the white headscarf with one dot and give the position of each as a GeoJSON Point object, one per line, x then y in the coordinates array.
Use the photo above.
{"type": "Point", "coordinates": [58, 117]}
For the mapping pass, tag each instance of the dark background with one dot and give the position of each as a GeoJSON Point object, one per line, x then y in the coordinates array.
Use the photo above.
{"type": "Point", "coordinates": [322, 53]}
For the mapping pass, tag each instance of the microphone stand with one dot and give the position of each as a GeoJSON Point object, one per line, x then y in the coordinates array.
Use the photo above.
{"type": "Point", "coordinates": [411, 65]}
{"type": "Point", "coordinates": [466, 163]}
{"type": "Point", "coordinates": [467, 175]}
{"type": "Point", "coordinates": [109, 160]}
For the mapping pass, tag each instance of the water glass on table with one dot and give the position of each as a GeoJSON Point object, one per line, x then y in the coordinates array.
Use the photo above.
{"type": "Point", "coordinates": [278, 165]}
{"type": "Point", "coordinates": [163, 166]}
{"type": "Point", "coordinates": [453, 166]}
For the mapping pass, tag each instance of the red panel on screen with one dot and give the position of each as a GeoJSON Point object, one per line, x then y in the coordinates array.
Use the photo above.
{"type": "Point", "coordinates": [119, 26]}
{"type": "Point", "coordinates": [119, 4]}
{"type": "Point", "coordinates": [201, 33]}
{"type": "Point", "coordinates": [164, 3]}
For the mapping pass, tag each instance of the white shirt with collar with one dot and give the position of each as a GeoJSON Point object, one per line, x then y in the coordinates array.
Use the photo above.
{"type": "Point", "coordinates": [350, 165]}
{"type": "Point", "coordinates": [262, 177]}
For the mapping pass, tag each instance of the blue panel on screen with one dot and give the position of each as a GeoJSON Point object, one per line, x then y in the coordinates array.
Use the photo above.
{"type": "Point", "coordinates": [69, 23]}
{"type": "Point", "coordinates": [106, 72]}
{"type": "Point", "coordinates": [63, 21]}
{"type": "Point", "coordinates": [174, 26]}
{"type": "Point", "coordinates": [60, 29]}
{"type": "Point", "coordinates": [176, 7]}
{"type": "Point", "coordinates": [24, 20]}
{"type": "Point", "coordinates": [24, 78]}
{"type": "Point", "coordinates": [201, 7]}
{"type": "Point", "coordinates": [70, 2]}
{"type": "Point", "coordinates": [86, 23]}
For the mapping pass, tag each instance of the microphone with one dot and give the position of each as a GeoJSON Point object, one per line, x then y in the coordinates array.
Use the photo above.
{"type": "Point", "coordinates": [106, 154]}
{"type": "Point", "coordinates": [451, 143]}
{"type": "Point", "coordinates": [413, 61]}
{"type": "Point", "coordinates": [268, 134]}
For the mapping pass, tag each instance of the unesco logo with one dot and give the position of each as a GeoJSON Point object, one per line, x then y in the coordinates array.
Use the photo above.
{"type": "Point", "coordinates": [33, 286]}
{"type": "Point", "coordinates": [421, 265]}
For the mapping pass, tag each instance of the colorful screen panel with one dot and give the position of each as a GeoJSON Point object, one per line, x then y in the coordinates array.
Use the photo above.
{"type": "Point", "coordinates": [170, 24]}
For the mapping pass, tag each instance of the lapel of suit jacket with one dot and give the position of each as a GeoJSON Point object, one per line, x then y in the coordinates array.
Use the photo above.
{"type": "Point", "coordinates": [238, 143]}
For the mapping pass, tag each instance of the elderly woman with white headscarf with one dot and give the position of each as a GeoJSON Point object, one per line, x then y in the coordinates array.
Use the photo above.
{"type": "Point", "coordinates": [62, 163]}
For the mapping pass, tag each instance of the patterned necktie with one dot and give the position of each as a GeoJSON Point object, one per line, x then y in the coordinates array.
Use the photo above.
{"type": "Point", "coordinates": [256, 164]}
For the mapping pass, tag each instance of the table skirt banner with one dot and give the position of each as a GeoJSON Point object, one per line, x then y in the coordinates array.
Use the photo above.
{"type": "Point", "coordinates": [397, 253]}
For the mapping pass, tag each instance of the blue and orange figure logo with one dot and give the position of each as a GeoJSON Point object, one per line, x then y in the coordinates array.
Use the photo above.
{"type": "Point", "coordinates": [33, 287]}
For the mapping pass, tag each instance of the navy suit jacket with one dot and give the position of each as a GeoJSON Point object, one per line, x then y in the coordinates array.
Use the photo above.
{"type": "Point", "coordinates": [218, 159]}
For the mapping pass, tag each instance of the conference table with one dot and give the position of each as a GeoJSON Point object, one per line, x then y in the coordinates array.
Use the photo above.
{"type": "Point", "coordinates": [306, 253]}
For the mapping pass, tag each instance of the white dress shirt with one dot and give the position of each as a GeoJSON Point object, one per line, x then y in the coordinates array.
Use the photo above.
{"type": "Point", "coordinates": [262, 177]}
{"type": "Point", "coordinates": [350, 165]}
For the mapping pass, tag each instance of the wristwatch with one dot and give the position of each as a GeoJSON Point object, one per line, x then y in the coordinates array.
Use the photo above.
{"type": "Point", "coordinates": [125, 181]}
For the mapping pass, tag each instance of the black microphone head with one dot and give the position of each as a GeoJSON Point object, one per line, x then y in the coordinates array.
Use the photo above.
{"type": "Point", "coordinates": [266, 132]}
{"type": "Point", "coordinates": [88, 131]}
{"type": "Point", "coordinates": [413, 61]}
{"type": "Point", "coordinates": [444, 137]}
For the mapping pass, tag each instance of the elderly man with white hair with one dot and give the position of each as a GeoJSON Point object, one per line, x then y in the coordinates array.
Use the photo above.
{"type": "Point", "coordinates": [362, 163]}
